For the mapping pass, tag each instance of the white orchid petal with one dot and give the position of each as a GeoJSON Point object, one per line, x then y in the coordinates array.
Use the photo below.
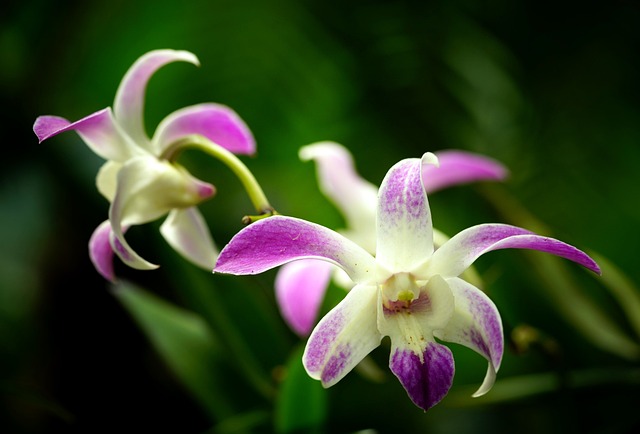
{"type": "Point", "coordinates": [343, 337]}
{"type": "Point", "coordinates": [186, 231]}
{"type": "Point", "coordinates": [404, 234]}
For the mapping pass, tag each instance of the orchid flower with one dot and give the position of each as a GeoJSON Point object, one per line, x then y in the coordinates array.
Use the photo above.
{"type": "Point", "coordinates": [300, 286]}
{"type": "Point", "coordinates": [141, 179]}
{"type": "Point", "coordinates": [408, 291]}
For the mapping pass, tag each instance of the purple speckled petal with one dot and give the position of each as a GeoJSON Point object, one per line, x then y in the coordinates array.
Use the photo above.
{"type": "Point", "coordinates": [187, 232]}
{"type": "Point", "coordinates": [457, 254]}
{"type": "Point", "coordinates": [343, 337]}
{"type": "Point", "coordinates": [100, 251]}
{"type": "Point", "coordinates": [216, 122]}
{"type": "Point", "coordinates": [300, 288]}
{"type": "Point", "coordinates": [355, 197]}
{"type": "Point", "coordinates": [276, 240]}
{"type": "Point", "coordinates": [459, 167]}
{"type": "Point", "coordinates": [98, 130]}
{"type": "Point", "coordinates": [426, 377]}
{"type": "Point", "coordinates": [476, 324]}
{"type": "Point", "coordinates": [129, 102]}
{"type": "Point", "coordinates": [404, 233]}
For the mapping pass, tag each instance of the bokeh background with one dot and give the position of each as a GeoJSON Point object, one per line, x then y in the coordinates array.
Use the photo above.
{"type": "Point", "coordinates": [548, 88]}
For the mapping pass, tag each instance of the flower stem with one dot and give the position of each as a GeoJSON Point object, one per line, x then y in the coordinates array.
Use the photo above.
{"type": "Point", "coordinates": [249, 182]}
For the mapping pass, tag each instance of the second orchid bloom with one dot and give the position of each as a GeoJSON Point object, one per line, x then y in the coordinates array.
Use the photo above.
{"type": "Point", "coordinates": [408, 290]}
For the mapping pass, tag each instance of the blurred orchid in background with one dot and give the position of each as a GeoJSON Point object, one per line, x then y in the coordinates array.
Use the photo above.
{"type": "Point", "coordinates": [407, 291]}
{"type": "Point", "coordinates": [140, 179]}
{"type": "Point", "coordinates": [301, 285]}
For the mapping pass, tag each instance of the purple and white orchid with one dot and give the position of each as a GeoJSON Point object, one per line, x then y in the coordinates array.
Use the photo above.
{"type": "Point", "coordinates": [408, 291]}
{"type": "Point", "coordinates": [300, 286]}
{"type": "Point", "coordinates": [140, 178]}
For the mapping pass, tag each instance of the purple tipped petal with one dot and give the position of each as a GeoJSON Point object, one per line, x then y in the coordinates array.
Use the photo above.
{"type": "Point", "coordinates": [405, 233]}
{"type": "Point", "coordinates": [343, 337]}
{"type": "Point", "coordinates": [216, 122]}
{"type": "Point", "coordinates": [458, 167]}
{"type": "Point", "coordinates": [476, 324]}
{"type": "Point", "coordinates": [300, 288]}
{"type": "Point", "coordinates": [276, 240]}
{"type": "Point", "coordinates": [129, 102]}
{"type": "Point", "coordinates": [426, 377]}
{"type": "Point", "coordinates": [100, 251]}
{"type": "Point", "coordinates": [98, 130]}
{"type": "Point", "coordinates": [463, 249]}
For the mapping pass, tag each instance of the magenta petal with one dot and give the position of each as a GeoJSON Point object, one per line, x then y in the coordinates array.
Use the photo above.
{"type": "Point", "coordinates": [273, 241]}
{"type": "Point", "coordinates": [98, 130]}
{"type": "Point", "coordinates": [216, 122]}
{"type": "Point", "coordinates": [300, 288]}
{"type": "Point", "coordinates": [129, 102]}
{"type": "Point", "coordinates": [457, 254]}
{"type": "Point", "coordinates": [426, 381]}
{"type": "Point", "coordinates": [458, 167]}
{"type": "Point", "coordinates": [100, 251]}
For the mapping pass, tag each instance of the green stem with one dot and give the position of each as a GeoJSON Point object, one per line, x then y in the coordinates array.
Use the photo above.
{"type": "Point", "coordinates": [253, 189]}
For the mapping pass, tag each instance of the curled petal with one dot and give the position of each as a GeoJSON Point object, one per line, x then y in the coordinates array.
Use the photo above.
{"type": "Point", "coordinates": [100, 251]}
{"type": "Point", "coordinates": [129, 102]}
{"type": "Point", "coordinates": [457, 254]}
{"type": "Point", "coordinates": [186, 231]}
{"type": "Point", "coordinates": [475, 324]}
{"type": "Point", "coordinates": [355, 197]}
{"type": "Point", "coordinates": [107, 179]}
{"type": "Point", "coordinates": [459, 167]}
{"type": "Point", "coordinates": [273, 241]}
{"type": "Point", "coordinates": [216, 122]}
{"type": "Point", "coordinates": [300, 288]}
{"type": "Point", "coordinates": [405, 233]}
{"type": "Point", "coordinates": [343, 337]}
{"type": "Point", "coordinates": [98, 130]}
{"type": "Point", "coordinates": [427, 377]}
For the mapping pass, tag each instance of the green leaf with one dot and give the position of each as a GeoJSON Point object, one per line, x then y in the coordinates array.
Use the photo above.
{"type": "Point", "coordinates": [184, 341]}
{"type": "Point", "coordinates": [302, 401]}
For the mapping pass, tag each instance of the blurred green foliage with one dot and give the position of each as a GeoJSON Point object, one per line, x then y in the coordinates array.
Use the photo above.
{"type": "Point", "coordinates": [550, 89]}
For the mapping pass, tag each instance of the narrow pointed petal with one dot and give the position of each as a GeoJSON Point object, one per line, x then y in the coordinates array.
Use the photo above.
{"type": "Point", "coordinates": [273, 241]}
{"type": "Point", "coordinates": [98, 130]}
{"type": "Point", "coordinates": [300, 288]}
{"type": "Point", "coordinates": [463, 249]}
{"type": "Point", "coordinates": [476, 324]}
{"type": "Point", "coordinates": [216, 122]}
{"type": "Point", "coordinates": [355, 197]}
{"type": "Point", "coordinates": [129, 102]}
{"type": "Point", "coordinates": [343, 337]}
{"type": "Point", "coordinates": [405, 233]}
{"type": "Point", "coordinates": [426, 377]}
{"type": "Point", "coordinates": [459, 167]}
{"type": "Point", "coordinates": [100, 251]}
{"type": "Point", "coordinates": [186, 231]}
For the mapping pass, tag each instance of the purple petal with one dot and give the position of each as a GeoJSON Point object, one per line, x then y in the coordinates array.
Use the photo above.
{"type": "Point", "coordinates": [216, 122]}
{"type": "Point", "coordinates": [476, 324]}
{"type": "Point", "coordinates": [355, 197]}
{"type": "Point", "coordinates": [100, 251]}
{"type": "Point", "coordinates": [458, 167]}
{"type": "Point", "coordinates": [187, 232]}
{"type": "Point", "coordinates": [457, 254]}
{"type": "Point", "coordinates": [129, 102]}
{"type": "Point", "coordinates": [343, 337]}
{"type": "Point", "coordinates": [98, 130]}
{"type": "Point", "coordinates": [405, 233]}
{"type": "Point", "coordinates": [426, 377]}
{"type": "Point", "coordinates": [273, 241]}
{"type": "Point", "coordinates": [300, 288]}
